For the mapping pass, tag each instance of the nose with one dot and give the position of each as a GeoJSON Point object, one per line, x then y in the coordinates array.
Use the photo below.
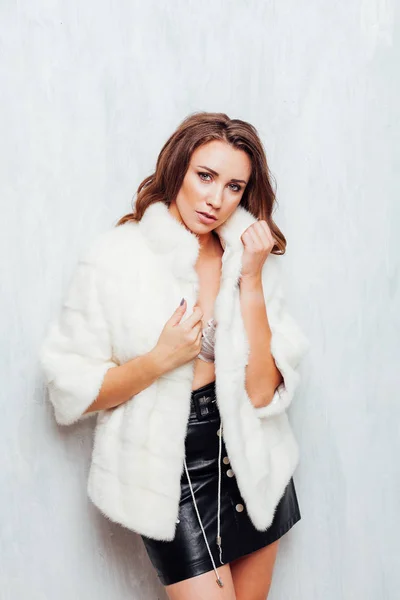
{"type": "Point", "coordinates": [216, 199]}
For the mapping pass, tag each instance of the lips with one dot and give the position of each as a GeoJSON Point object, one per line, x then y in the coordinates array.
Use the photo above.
{"type": "Point", "coordinates": [207, 215]}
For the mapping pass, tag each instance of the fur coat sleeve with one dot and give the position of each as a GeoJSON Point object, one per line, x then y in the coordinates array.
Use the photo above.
{"type": "Point", "coordinates": [77, 351]}
{"type": "Point", "coordinates": [288, 342]}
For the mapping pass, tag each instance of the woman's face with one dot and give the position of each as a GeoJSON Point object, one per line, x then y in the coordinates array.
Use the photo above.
{"type": "Point", "coordinates": [214, 183]}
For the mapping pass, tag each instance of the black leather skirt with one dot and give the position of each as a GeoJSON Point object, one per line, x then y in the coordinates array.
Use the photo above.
{"type": "Point", "coordinates": [187, 554]}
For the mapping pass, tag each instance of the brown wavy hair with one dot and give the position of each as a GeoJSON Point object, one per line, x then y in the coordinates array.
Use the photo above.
{"type": "Point", "coordinates": [195, 130]}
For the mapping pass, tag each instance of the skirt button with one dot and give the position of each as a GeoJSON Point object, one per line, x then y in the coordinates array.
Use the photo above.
{"type": "Point", "coordinates": [230, 473]}
{"type": "Point", "coordinates": [226, 460]}
{"type": "Point", "coordinates": [239, 507]}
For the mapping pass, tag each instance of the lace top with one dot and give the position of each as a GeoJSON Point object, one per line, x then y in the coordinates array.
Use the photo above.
{"type": "Point", "coordinates": [207, 343]}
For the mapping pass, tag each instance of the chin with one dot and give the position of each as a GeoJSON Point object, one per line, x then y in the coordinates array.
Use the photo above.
{"type": "Point", "coordinates": [198, 228]}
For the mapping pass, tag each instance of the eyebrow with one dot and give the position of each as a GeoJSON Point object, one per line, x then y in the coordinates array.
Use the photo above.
{"type": "Point", "coordinates": [217, 174]}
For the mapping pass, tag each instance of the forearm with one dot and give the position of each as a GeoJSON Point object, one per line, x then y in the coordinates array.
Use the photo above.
{"type": "Point", "coordinates": [122, 382]}
{"type": "Point", "coordinates": [262, 374]}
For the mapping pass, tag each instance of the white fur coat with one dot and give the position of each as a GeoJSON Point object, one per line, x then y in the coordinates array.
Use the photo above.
{"type": "Point", "coordinates": [124, 289]}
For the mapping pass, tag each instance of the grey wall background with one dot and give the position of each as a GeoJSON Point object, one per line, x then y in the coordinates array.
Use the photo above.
{"type": "Point", "coordinates": [89, 93]}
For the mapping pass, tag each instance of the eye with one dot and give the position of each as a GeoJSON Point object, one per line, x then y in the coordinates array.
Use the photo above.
{"type": "Point", "coordinates": [235, 185]}
{"type": "Point", "coordinates": [202, 173]}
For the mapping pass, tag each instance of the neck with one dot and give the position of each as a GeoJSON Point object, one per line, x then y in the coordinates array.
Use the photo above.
{"type": "Point", "coordinates": [209, 244]}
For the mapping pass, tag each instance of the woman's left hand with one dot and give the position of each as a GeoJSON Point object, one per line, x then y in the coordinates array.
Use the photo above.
{"type": "Point", "coordinates": [258, 243]}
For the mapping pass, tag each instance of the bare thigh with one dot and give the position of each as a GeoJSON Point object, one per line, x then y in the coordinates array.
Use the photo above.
{"type": "Point", "coordinates": [252, 574]}
{"type": "Point", "coordinates": [204, 586]}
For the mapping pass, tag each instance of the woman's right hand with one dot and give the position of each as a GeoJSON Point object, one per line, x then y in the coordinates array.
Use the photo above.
{"type": "Point", "coordinates": [180, 342]}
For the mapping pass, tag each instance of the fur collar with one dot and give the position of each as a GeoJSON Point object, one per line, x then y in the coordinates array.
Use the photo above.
{"type": "Point", "coordinates": [168, 236]}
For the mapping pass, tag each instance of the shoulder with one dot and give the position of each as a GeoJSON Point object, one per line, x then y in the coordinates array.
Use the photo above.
{"type": "Point", "coordinates": [119, 246]}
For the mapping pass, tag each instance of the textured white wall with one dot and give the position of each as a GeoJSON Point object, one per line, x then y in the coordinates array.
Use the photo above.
{"type": "Point", "coordinates": [89, 93]}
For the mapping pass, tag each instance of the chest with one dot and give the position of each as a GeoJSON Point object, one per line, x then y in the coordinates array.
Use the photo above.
{"type": "Point", "coordinates": [139, 301]}
{"type": "Point", "coordinates": [209, 280]}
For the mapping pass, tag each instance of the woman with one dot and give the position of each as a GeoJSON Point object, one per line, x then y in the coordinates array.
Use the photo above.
{"type": "Point", "coordinates": [175, 333]}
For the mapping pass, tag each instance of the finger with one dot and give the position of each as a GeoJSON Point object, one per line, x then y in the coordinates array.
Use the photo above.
{"type": "Point", "coordinates": [178, 313]}
{"type": "Point", "coordinates": [248, 239]}
{"type": "Point", "coordinates": [256, 242]}
{"type": "Point", "coordinates": [267, 229]}
{"type": "Point", "coordinates": [197, 329]}
{"type": "Point", "coordinates": [198, 338]}
{"type": "Point", "coordinates": [264, 236]}
{"type": "Point", "coordinates": [194, 318]}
